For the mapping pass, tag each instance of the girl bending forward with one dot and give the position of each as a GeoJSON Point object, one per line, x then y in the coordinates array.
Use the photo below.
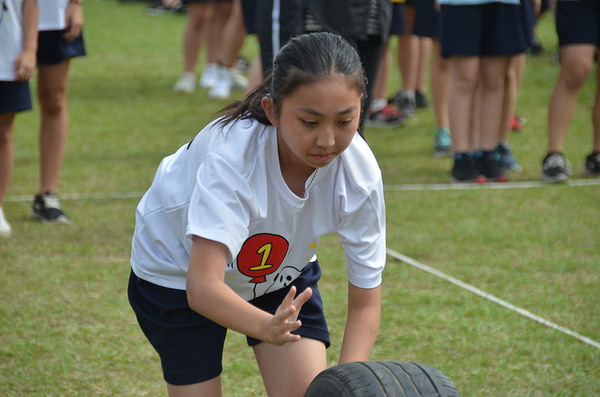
{"type": "Point", "coordinates": [226, 236]}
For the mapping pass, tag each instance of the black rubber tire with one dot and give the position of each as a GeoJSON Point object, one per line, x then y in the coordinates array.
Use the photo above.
{"type": "Point", "coordinates": [382, 379]}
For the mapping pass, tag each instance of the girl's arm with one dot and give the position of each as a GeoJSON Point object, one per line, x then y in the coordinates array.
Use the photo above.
{"type": "Point", "coordinates": [26, 60]}
{"type": "Point", "coordinates": [209, 295]}
{"type": "Point", "coordinates": [362, 325]}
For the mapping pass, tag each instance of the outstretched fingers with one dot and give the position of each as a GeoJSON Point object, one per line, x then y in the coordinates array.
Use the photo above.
{"type": "Point", "coordinates": [286, 320]}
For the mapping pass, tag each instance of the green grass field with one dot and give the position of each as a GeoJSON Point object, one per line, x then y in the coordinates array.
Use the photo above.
{"type": "Point", "coordinates": [66, 328]}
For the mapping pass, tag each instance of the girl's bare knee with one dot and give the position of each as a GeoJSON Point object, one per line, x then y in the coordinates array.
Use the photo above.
{"type": "Point", "coordinates": [574, 74]}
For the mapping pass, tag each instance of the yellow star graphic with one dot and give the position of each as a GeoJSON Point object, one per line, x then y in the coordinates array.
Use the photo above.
{"type": "Point", "coordinates": [313, 246]}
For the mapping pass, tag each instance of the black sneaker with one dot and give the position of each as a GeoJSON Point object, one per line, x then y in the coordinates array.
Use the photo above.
{"type": "Point", "coordinates": [592, 165]}
{"type": "Point", "coordinates": [465, 170]}
{"type": "Point", "coordinates": [556, 168]}
{"type": "Point", "coordinates": [535, 48]}
{"type": "Point", "coordinates": [46, 208]}
{"type": "Point", "coordinates": [489, 166]}
{"type": "Point", "coordinates": [421, 100]}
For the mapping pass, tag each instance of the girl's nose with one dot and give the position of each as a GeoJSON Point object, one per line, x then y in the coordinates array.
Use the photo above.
{"type": "Point", "coordinates": [326, 137]}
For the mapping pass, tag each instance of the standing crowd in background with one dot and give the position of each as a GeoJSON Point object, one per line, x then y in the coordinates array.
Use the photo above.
{"type": "Point", "coordinates": [43, 35]}
{"type": "Point", "coordinates": [476, 66]}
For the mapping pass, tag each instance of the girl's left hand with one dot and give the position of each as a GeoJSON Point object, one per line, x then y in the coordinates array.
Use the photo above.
{"type": "Point", "coordinates": [285, 319]}
{"type": "Point", "coordinates": [74, 21]}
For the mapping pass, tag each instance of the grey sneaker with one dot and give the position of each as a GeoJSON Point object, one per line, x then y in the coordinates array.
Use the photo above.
{"type": "Point", "coordinates": [592, 165]}
{"type": "Point", "coordinates": [556, 168]}
{"type": "Point", "coordinates": [442, 146]}
{"type": "Point", "coordinates": [507, 158]}
{"type": "Point", "coordinates": [404, 103]}
{"type": "Point", "coordinates": [46, 208]}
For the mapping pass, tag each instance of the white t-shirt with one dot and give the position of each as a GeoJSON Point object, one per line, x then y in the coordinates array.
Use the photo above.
{"type": "Point", "coordinates": [229, 188]}
{"type": "Point", "coordinates": [52, 14]}
{"type": "Point", "coordinates": [11, 37]}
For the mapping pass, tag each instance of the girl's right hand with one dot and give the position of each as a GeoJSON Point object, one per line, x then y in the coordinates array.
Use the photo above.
{"type": "Point", "coordinates": [25, 65]}
{"type": "Point", "coordinates": [285, 320]}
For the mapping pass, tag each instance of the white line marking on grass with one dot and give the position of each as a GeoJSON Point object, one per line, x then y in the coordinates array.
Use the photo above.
{"type": "Point", "coordinates": [466, 186]}
{"type": "Point", "coordinates": [431, 186]}
{"type": "Point", "coordinates": [499, 301]}
{"type": "Point", "coordinates": [83, 196]}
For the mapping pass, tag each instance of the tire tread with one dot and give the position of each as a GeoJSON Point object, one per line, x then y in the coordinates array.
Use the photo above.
{"type": "Point", "coordinates": [382, 379]}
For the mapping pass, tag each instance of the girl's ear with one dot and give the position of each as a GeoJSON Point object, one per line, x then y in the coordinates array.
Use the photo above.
{"type": "Point", "coordinates": [270, 110]}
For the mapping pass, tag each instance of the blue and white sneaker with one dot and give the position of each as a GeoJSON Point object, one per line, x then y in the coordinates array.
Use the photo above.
{"type": "Point", "coordinates": [507, 158]}
{"type": "Point", "coordinates": [442, 146]}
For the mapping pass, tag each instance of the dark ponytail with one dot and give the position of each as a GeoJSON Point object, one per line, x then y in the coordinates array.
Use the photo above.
{"type": "Point", "coordinates": [303, 60]}
{"type": "Point", "coordinates": [250, 106]}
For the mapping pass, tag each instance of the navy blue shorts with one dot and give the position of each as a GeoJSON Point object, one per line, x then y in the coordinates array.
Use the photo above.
{"type": "Point", "coordinates": [528, 20]}
{"type": "Point", "coordinates": [14, 96]}
{"type": "Point", "coordinates": [190, 346]}
{"type": "Point", "coordinates": [398, 26]}
{"type": "Point", "coordinates": [578, 22]}
{"type": "Point", "coordinates": [492, 29]}
{"type": "Point", "coordinates": [249, 9]}
{"type": "Point", "coordinates": [53, 48]}
{"type": "Point", "coordinates": [428, 21]}
{"type": "Point", "coordinates": [545, 6]}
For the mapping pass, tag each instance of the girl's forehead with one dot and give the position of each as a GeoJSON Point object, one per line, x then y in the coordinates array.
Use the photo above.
{"type": "Point", "coordinates": [331, 86]}
{"type": "Point", "coordinates": [326, 97]}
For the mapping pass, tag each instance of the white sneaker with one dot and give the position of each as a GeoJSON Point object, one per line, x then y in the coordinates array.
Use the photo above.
{"type": "Point", "coordinates": [238, 81]}
{"type": "Point", "coordinates": [186, 83]}
{"type": "Point", "coordinates": [4, 225]}
{"type": "Point", "coordinates": [210, 76]}
{"type": "Point", "coordinates": [222, 89]}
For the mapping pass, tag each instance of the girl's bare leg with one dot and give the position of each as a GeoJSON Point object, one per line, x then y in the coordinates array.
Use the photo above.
{"type": "Point", "coordinates": [52, 96]}
{"type": "Point", "coordinates": [425, 44]}
{"type": "Point", "coordinates": [462, 88]}
{"type": "Point", "coordinates": [596, 111]}
{"type": "Point", "coordinates": [288, 370]}
{"type": "Point", "coordinates": [440, 85]}
{"type": "Point", "coordinates": [6, 151]}
{"type": "Point", "coordinates": [492, 75]}
{"type": "Point", "coordinates": [576, 64]}
{"type": "Point", "coordinates": [210, 388]}
{"type": "Point", "coordinates": [198, 16]}
{"type": "Point", "coordinates": [511, 91]}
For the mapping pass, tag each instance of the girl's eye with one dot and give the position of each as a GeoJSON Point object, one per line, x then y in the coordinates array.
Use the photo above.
{"type": "Point", "coordinates": [309, 123]}
{"type": "Point", "coordinates": [345, 122]}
